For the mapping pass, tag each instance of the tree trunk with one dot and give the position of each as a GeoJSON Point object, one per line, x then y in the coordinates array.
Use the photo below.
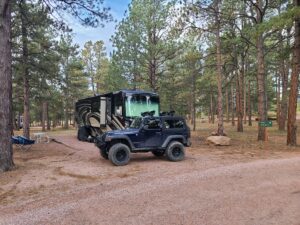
{"type": "Point", "coordinates": [284, 71]}
{"type": "Point", "coordinates": [219, 71]}
{"type": "Point", "coordinates": [277, 98]}
{"type": "Point", "coordinates": [249, 104]}
{"type": "Point", "coordinates": [47, 117]}
{"type": "Point", "coordinates": [153, 75]}
{"type": "Point", "coordinates": [93, 84]}
{"type": "Point", "coordinates": [44, 115]}
{"type": "Point", "coordinates": [191, 110]}
{"type": "Point", "coordinates": [66, 117]}
{"type": "Point", "coordinates": [261, 77]}
{"type": "Point", "coordinates": [245, 100]}
{"type": "Point", "coordinates": [98, 87]}
{"type": "Point", "coordinates": [25, 70]}
{"type": "Point", "coordinates": [212, 108]}
{"type": "Point", "coordinates": [136, 76]}
{"type": "Point", "coordinates": [227, 105]}
{"type": "Point", "coordinates": [152, 61]}
{"type": "Point", "coordinates": [240, 98]}
{"type": "Point", "coordinates": [261, 83]}
{"type": "Point", "coordinates": [232, 106]}
{"type": "Point", "coordinates": [65, 125]}
{"type": "Point", "coordinates": [238, 105]}
{"type": "Point", "coordinates": [6, 151]}
{"type": "Point", "coordinates": [194, 100]}
{"type": "Point", "coordinates": [292, 110]}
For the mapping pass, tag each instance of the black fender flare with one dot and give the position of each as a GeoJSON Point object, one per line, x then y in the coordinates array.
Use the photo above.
{"type": "Point", "coordinates": [173, 137]}
{"type": "Point", "coordinates": [123, 137]}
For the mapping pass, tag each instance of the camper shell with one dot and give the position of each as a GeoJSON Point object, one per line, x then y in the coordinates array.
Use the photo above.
{"type": "Point", "coordinates": [112, 111]}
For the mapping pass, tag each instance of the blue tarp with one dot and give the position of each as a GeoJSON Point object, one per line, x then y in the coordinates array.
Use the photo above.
{"type": "Point", "coordinates": [20, 140]}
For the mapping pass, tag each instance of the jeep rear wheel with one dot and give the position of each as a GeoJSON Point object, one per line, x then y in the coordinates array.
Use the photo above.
{"type": "Point", "coordinates": [119, 154]}
{"type": "Point", "coordinates": [158, 153]}
{"type": "Point", "coordinates": [175, 151]}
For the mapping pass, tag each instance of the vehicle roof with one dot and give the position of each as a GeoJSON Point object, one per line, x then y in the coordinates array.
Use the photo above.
{"type": "Point", "coordinates": [165, 117]}
{"type": "Point", "coordinates": [126, 91]}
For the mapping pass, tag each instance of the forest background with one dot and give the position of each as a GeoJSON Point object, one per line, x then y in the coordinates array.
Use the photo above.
{"type": "Point", "coordinates": [227, 61]}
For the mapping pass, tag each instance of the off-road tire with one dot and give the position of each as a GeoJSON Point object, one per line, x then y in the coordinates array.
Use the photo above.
{"type": "Point", "coordinates": [158, 153]}
{"type": "Point", "coordinates": [103, 153]}
{"type": "Point", "coordinates": [119, 154]}
{"type": "Point", "coordinates": [175, 151]}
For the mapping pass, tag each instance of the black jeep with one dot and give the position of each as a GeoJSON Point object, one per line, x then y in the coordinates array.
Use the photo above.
{"type": "Point", "coordinates": [163, 135]}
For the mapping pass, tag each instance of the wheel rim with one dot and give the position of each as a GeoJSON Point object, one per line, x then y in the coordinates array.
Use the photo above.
{"type": "Point", "coordinates": [121, 155]}
{"type": "Point", "coordinates": [176, 152]}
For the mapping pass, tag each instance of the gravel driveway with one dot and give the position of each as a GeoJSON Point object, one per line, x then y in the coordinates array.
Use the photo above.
{"type": "Point", "coordinates": [204, 189]}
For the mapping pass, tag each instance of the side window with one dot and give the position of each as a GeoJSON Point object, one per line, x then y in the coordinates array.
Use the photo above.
{"type": "Point", "coordinates": [153, 123]}
{"type": "Point", "coordinates": [178, 124]}
{"type": "Point", "coordinates": [168, 124]}
{"type": "Point", "coordinates": [118, 105]}
{"type": "Point", "coordinates": [171, 124]}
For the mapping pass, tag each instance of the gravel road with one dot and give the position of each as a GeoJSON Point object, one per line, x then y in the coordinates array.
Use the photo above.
{"type": "Point", "coordinates": [199, 190]}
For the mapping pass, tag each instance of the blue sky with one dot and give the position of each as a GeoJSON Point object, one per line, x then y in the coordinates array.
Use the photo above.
{"type": "Point", "coordinates": [83, 34]}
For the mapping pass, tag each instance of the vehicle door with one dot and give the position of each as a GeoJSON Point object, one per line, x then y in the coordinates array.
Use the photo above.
{"type": "Point", "coordinates": [151, 133]}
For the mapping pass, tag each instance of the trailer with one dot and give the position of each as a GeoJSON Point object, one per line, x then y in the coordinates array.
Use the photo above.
{"type": "Point", "coordinates": [112, 111]}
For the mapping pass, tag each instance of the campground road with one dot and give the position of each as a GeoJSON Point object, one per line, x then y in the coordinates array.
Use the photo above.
{"type": "Point", "coordinates": [265, 191]}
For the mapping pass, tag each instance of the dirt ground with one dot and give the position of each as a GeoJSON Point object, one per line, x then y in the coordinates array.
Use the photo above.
{"type": "Point", "coordinates": [246, 183]}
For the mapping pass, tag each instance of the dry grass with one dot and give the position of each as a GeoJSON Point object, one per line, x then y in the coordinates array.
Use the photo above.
{"type": "Point", "coordinates": [244, 142]}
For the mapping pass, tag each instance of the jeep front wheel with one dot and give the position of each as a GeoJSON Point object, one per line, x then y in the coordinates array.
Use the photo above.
{"type": "Point", "coordinates": [119, 154]}
{"type": "Point", "coordinates": [175, 151]}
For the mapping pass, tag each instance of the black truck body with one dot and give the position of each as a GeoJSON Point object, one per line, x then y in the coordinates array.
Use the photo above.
{"type": "Point", "coordinates": [112, 111]}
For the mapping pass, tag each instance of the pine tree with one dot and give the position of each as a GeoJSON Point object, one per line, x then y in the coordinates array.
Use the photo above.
{"type": "Point", "coordinates": [6, 153]}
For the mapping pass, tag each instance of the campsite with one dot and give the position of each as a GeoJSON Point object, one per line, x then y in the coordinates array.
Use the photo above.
{"type": "Point", "coordinates": [149, 112]}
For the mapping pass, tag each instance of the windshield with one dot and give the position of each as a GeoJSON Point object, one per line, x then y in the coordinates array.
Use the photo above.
{"type": "Point", "coordinates": [137, 104]}
{"type": "Point", "coordinates": [136, 123]}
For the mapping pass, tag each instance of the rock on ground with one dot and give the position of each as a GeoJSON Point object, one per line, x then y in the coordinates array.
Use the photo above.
{"type": "Point", "coordinates": [218, 140]}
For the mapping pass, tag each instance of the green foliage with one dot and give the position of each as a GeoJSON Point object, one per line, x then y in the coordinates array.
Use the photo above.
{"type": "Point", "coordinates": [284, 20]}
{"type": "Point", "coordinates": [145, 41]}
{"type": "Point", "coordinates": [158, 45]}
{"type": "Point", "coordinates": [93, 56]}
{"type": "Point", "coordinates": [42, 55]}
